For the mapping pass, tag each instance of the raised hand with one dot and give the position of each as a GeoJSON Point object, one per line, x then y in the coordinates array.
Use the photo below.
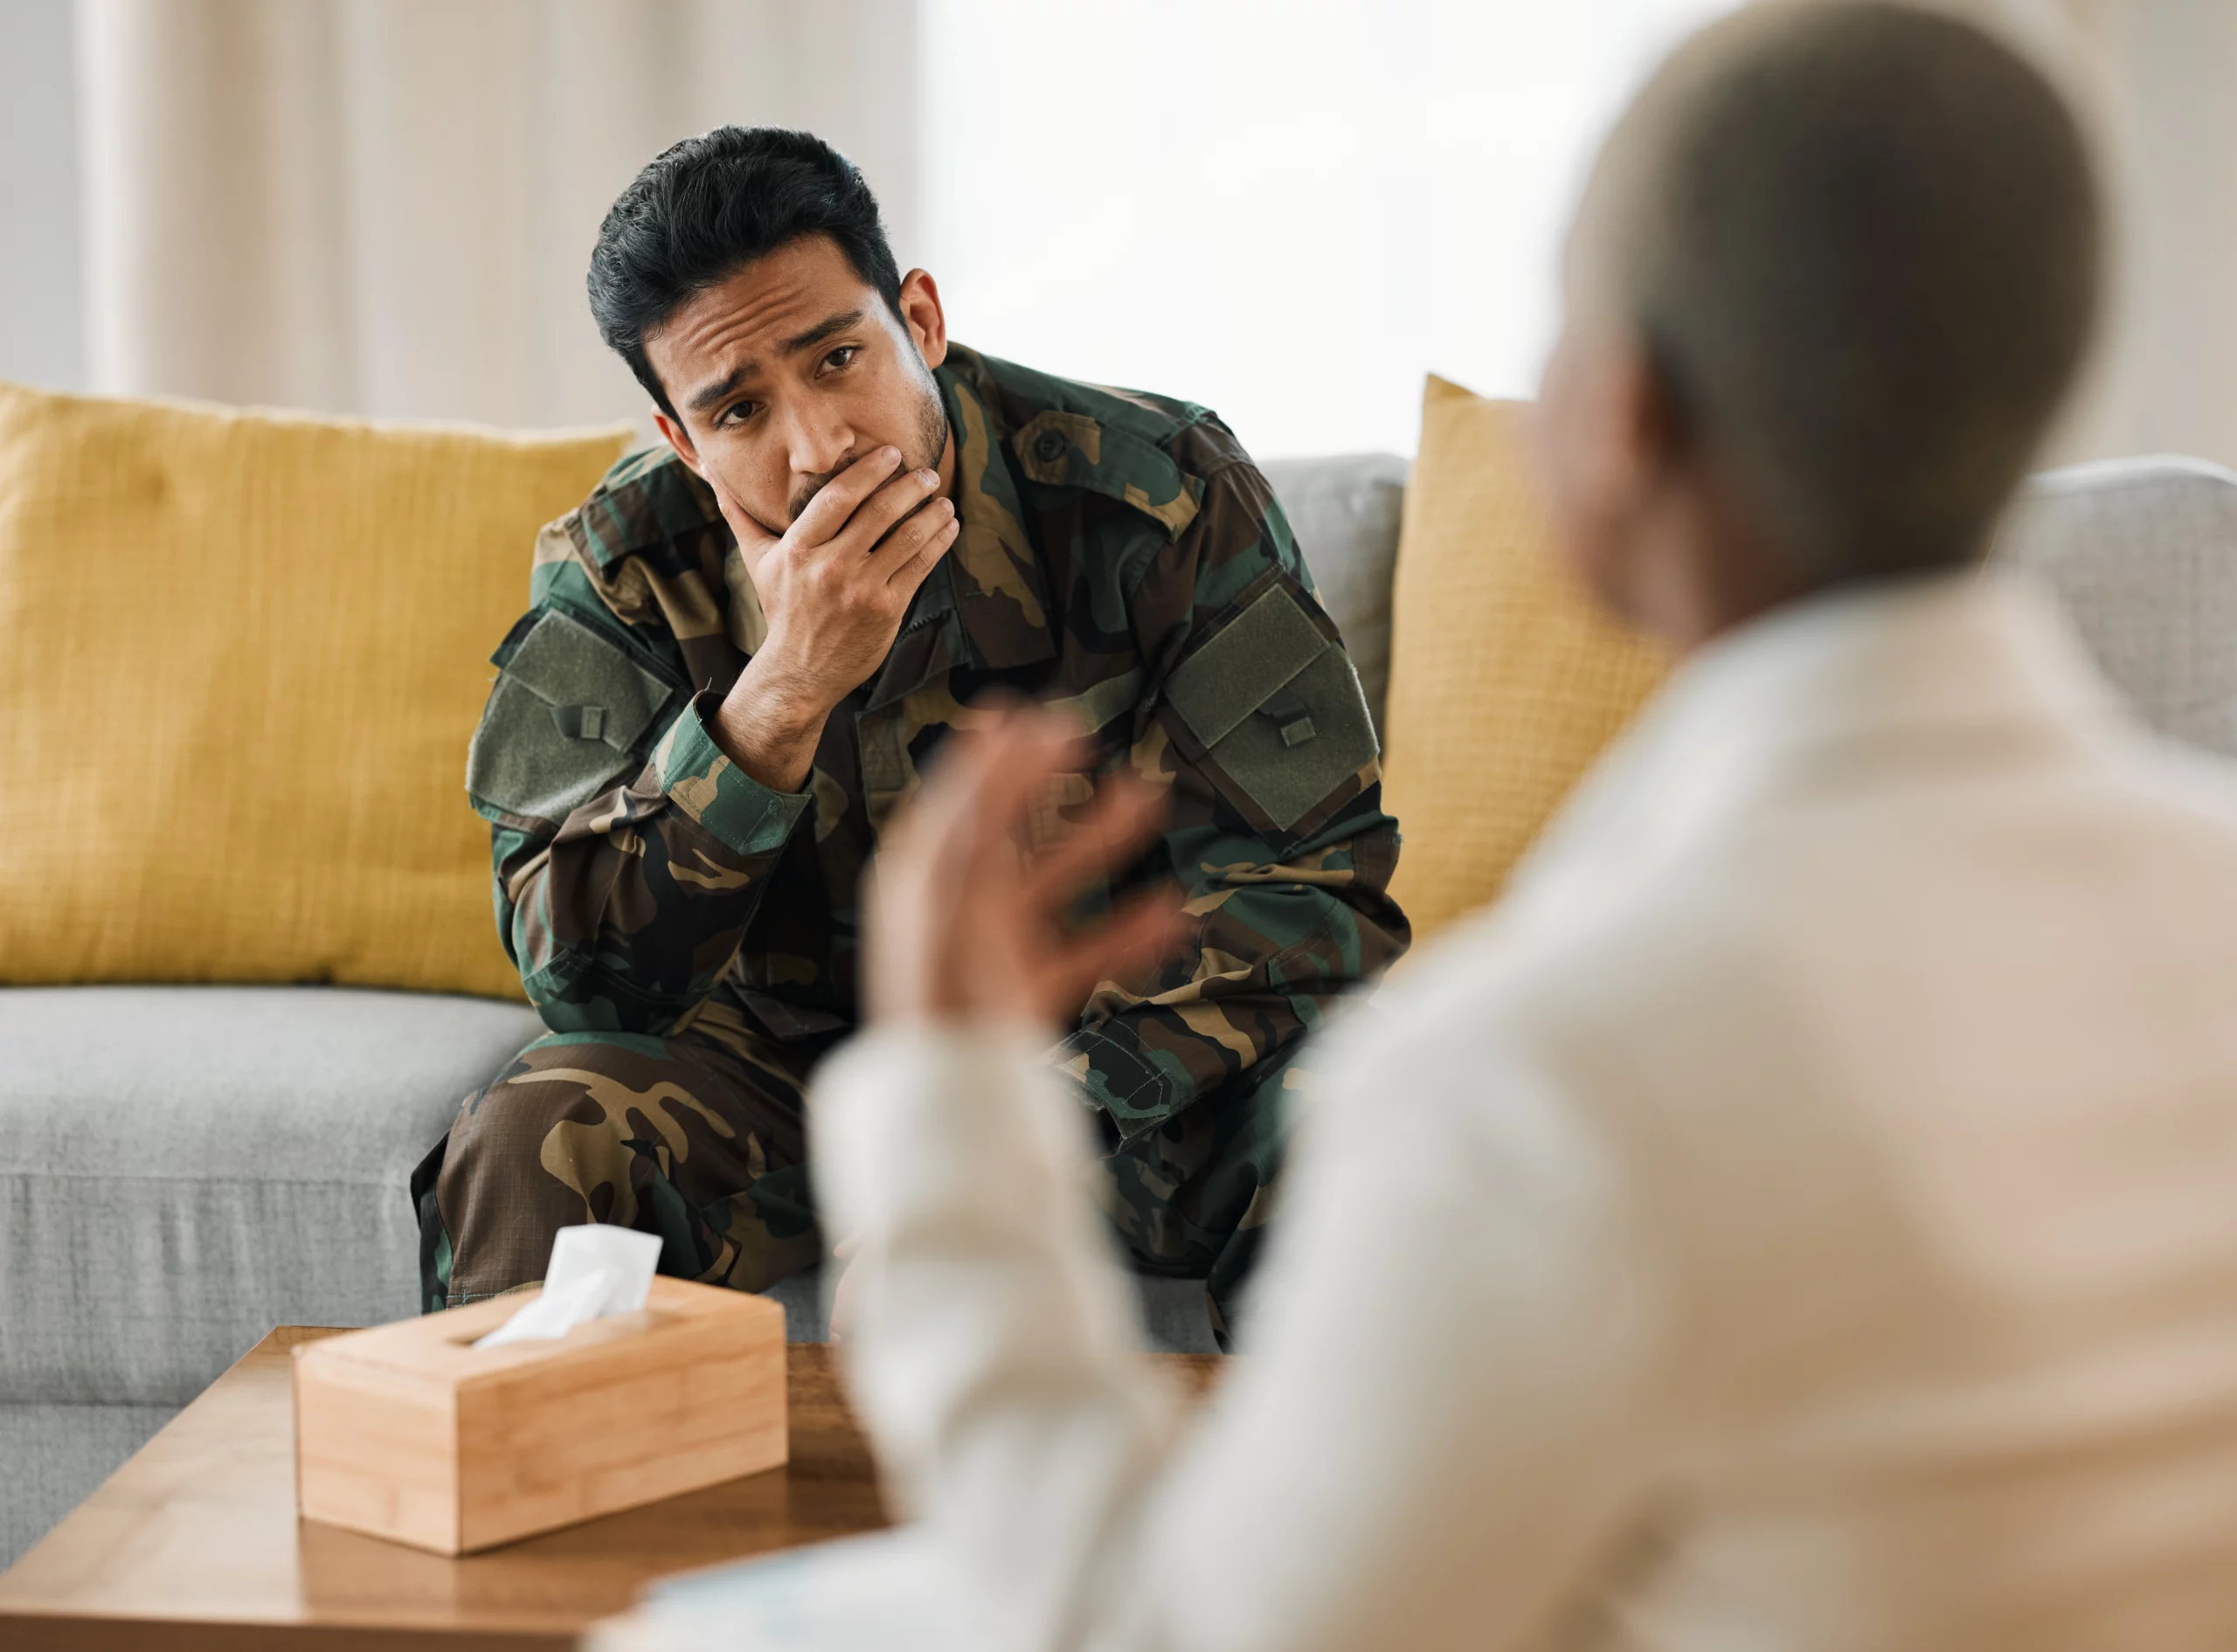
{"type": "Point", "coordinates": [964, 925]}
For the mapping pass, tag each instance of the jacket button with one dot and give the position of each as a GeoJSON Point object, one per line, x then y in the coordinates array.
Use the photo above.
{"type": "Point", "coordinates": [1048, 446]}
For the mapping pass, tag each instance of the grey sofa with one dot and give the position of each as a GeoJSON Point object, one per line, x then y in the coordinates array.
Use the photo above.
{"type": "Point", "coordinates": [183, 1168]}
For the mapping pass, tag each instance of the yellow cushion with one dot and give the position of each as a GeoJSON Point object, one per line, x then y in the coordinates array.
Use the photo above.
{"type": "Point", "coordinates": [241, 654]}
{"type": "Point", "coordinates": [1504, 683]}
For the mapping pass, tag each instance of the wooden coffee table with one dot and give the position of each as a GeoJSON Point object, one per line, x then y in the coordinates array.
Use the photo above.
{"type": "Point", "coordinates": [194, 1544]}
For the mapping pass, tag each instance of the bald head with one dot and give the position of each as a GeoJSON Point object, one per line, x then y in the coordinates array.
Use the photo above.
{"type": "Point", "coordinates": [1859, 244]}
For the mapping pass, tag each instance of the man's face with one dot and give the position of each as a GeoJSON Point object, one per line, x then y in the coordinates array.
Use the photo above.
{"type": "Point", "coordinates": [793, 368]}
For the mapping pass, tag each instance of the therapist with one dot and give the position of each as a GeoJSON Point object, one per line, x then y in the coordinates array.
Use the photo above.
{"type": "Point", "coordinates": [1803, 1210]}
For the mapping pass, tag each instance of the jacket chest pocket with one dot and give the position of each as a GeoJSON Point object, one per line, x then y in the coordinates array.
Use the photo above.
{"type": "Point", "coordinates": [889, 739]}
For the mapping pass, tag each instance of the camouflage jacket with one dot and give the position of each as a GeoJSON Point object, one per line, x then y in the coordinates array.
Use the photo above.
{"type": "Point", "coordinates": [1119, 554]}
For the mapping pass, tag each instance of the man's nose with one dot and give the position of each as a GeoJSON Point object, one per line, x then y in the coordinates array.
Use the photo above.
{"type": "Point", "coordinates": [819, 441]}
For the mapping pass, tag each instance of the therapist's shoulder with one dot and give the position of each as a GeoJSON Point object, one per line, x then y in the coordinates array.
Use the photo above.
{"type": "Point", "coordinates": [1612, 1007]}
{"type": "Point", "coordinates": [1609, 933]}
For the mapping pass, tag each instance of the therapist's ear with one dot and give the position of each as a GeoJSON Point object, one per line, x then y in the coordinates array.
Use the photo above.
{"type": "Point", "coordinates": [1606, 436]}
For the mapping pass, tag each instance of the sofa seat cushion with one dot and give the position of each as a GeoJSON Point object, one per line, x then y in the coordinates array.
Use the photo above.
{"type": "Point", "coordinates": [183, 1168]}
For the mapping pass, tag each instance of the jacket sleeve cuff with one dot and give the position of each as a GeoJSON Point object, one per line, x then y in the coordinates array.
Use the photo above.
{"type": "Point", "coordinates": [741, 814]}
{"type": "Point", "coordinates": [1140, 1088]}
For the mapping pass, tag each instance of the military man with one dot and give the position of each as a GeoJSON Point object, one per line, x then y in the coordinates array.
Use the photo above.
{"type": "Point", "coordinates": [741, 649]}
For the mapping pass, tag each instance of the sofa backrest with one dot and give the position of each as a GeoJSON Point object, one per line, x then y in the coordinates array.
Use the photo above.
{"type": "Point", "coordinates": [1344, 511]}
{"type": "Point", "coordinates": [2142, 553]}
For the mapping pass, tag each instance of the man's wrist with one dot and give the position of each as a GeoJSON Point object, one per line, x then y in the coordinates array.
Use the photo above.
{"type": "Point", "coordinates": [769, 725]}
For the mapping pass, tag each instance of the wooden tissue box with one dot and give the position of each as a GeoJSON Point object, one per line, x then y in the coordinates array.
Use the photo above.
{"type": "Point", "coordinates": [408, 1431]}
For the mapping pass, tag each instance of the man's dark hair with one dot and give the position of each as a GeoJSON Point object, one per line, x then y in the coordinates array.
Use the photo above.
{"type": "Point", "coordinates": [1860, 241]}
{"type": "Point", "coordinates": [707, 207]}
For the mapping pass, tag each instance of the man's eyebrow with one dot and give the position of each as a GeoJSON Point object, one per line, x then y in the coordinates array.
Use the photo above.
{"type": "Point", "coordinates": [705, 398]}
{"type": "Point", "coordinates": [821, 330]}
{"type": "Point", "coordinates": [721, 387]}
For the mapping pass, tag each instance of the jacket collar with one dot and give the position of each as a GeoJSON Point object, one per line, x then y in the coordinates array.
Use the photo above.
{"type": "Point", "coordinates": [986, 605]}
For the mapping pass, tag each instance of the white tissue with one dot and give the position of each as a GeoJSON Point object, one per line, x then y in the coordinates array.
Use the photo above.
{"type": "Point", "coordinates": [595, 1270]}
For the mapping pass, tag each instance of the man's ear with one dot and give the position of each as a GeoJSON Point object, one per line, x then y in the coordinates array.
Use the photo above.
{"type": "Point", "coordinates": [679, 439]}
{"type": "Point", "coordinates": [927, 322]}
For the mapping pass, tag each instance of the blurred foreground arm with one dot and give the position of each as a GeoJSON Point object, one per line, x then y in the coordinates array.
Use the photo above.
{"type": "Point", "coordinates": [1437, 1432]}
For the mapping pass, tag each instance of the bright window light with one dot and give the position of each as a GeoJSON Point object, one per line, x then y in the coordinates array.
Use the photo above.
{"type": "Point", "coordinates": [1288, 209]}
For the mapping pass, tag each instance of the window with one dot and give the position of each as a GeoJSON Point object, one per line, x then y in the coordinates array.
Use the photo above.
{"type": "Point", "coordinates": [1289, 210]}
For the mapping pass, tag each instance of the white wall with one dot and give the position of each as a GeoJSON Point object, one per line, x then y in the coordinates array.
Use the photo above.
{"type": "Point", "coordinates": [2164, 75]}
{"type": "Point", "coordinates": [42, 333]}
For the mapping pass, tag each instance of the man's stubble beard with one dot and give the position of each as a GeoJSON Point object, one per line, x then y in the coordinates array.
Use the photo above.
{"type": "Point", "coordinates": [932, 434]}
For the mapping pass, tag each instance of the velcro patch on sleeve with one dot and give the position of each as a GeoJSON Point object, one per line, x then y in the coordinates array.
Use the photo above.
{"type": "Point", "coordinates": [1233, 672]}
{"type": "Point", "coordinates": [1277, 708]}
{"type": "Point", "coordinates": [559, 725]}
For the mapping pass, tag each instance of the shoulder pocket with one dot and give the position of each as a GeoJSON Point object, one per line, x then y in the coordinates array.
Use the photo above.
{"type": "Point", "coordinates": [1070, 450]}
{"type": "Point", "coordinates": [1271, 705]}
{"type": "Point", "coordinates": [559, 725]}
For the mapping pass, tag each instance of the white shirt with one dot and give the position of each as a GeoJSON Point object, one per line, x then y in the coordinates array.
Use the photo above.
{"type": "Point", "coordinates": [1803, 1214]}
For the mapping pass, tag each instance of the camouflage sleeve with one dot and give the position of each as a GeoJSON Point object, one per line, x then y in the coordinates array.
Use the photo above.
{"type": "Point", "coordinates": [629, 852]}
{"type": "Point", "coordinates": [1258, 730]}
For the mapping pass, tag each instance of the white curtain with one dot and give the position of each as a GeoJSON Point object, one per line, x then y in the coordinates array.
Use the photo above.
{"type": "Point", "coordinates": [387, 206]}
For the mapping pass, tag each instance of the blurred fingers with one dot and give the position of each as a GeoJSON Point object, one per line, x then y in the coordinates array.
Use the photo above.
{"type": "Point", "coordinates": [1146, 929]}
{"type": "Point", "coordinates": [1124, 818]}
{"type": "Point", "coordinates": [962, 822]}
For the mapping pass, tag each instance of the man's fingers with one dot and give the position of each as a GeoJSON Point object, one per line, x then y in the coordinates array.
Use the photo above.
{"type": "Point", "coordinates": [877, 516]}
{"type": "Point", "coordinates": [754, 541]}
{"type": "Point", "coordinates": [910, 549]}
{"type": "Point", "coordinates": [835, 503]}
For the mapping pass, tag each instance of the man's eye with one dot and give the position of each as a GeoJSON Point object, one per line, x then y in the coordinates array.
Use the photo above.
{"type": "Point", "coordinates": [737, 413]}
{"type": "Point", "coordinates": [844, 355]}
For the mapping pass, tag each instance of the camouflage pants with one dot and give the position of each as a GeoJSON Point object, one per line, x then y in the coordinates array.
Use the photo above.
{"type": "Point", "coordinates": [700, 1139]}
{"type": "Point", "coordinates": [1190, 1199]}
